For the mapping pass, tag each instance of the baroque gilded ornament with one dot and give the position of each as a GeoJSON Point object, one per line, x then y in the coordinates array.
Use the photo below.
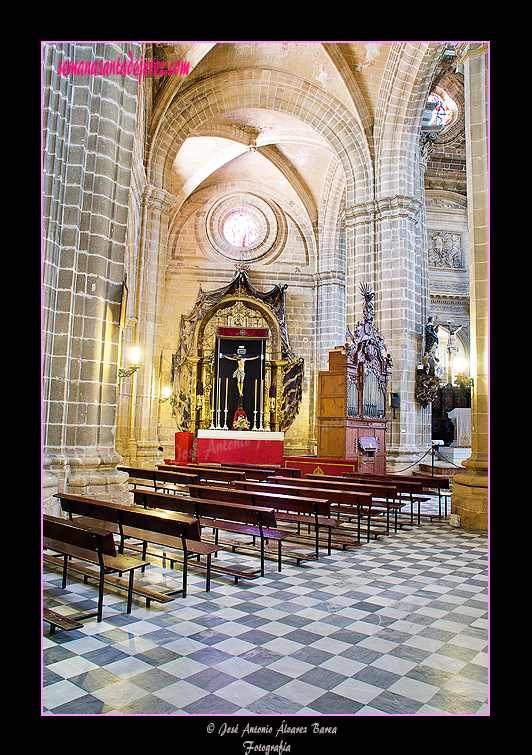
{"type": "Point", "coordinates": [239, 309]}
{"type": "Point", "coordinates": [366, 347]}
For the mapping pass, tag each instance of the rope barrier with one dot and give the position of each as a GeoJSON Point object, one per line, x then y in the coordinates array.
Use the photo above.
{"type": "Point", "coordinates": [447, 460]}
{"type": "Point", "coordinates": [432, 448]}
{"type": "Point", "coordinates": [398, 471]}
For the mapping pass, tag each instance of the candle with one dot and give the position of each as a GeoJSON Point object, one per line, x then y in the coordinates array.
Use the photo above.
{"type": "Point", "coordinates": [218, 396]}
{"type": "Point", "coordinates": [255, 395]}
{"type": "Point", "coordinates": [226, 381]}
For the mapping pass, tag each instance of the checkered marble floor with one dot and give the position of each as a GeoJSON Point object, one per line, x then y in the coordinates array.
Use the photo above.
{"type": "Point", "coordinates": [395, 627]}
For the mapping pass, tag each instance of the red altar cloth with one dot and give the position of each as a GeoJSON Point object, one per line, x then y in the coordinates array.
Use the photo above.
{"type": "Point", "coordinates": [184, 446]}
{"type": "Point", "coordinates": [240, 447]}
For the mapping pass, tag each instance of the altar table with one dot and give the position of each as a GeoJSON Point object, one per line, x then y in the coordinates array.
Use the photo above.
{"type": "Point", "coordinates": [240, 447]}
{"type": "Point", "coordinates": [461, 419]}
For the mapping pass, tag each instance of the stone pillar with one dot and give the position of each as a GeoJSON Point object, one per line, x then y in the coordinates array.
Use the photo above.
{"type": "Point", "coordinates": [387, 237]}
{"type": "Point", "coordinates": [156, 205]}
{"type": "Point", "coordinates": [330, 325]}
{"type": "Point", "coordinates": [89, 124]}
{"type": "Point", "coordinates": [470, 489]}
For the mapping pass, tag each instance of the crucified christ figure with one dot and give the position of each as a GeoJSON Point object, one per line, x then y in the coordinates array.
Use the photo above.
{"type": "Point", "coordinates": [240, 373]}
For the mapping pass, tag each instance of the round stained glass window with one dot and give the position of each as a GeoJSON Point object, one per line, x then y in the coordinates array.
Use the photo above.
{"type": "Point", "coordinates": [443, 112]}
{"type": "Point", "coordinates": [240, 230]}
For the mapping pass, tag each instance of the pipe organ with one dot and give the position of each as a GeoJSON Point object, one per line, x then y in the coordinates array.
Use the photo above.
{"type": "Point", "coordinates": [352, 396]}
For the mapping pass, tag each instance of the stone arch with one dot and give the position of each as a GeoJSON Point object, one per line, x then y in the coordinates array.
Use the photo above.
{"type": "Point", "coordinates": [411, 68]}
{"type": "Point", "coordinates": [269, 90]}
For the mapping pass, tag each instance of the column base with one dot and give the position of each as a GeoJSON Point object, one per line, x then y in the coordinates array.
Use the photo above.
{"type": "Point", "coordinates": [470, 497]}
{"type": "Point", "coordinates": [90, 477]}
{"type": "Point", "coordinates": [109, 485]}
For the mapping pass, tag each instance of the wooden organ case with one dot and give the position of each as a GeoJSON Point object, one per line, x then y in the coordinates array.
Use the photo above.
{"type": "Point", "coordinates": [352, 396]}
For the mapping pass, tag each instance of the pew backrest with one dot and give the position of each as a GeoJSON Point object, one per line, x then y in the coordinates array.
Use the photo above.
{"type": "Point", "coordinates": [212, 509]}
{"type": "Point", "coordinates": [381, 490]}
{"type": "Point", "coordinates": [273, 498]}
{"type": "Point", "coordinates": [178, 524]}
{"type": "Point", "coordinates": [78, 536]}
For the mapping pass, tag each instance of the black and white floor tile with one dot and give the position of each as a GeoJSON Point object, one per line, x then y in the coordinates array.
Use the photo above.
{"type": "Point", "coordinates": [398, 626]}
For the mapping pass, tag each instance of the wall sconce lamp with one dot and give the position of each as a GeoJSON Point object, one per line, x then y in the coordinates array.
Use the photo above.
{"type": "Point", "coordinates": [134, 356]}
{"type": "Point", "coordinates": [166, 392]}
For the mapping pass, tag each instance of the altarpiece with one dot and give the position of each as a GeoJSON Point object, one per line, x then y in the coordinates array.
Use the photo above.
{"type": "Point", "coordinates": [232, 321]}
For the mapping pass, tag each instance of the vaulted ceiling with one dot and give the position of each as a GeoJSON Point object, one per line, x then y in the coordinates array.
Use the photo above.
{"type": "Point", "coordinates": [268, 146]}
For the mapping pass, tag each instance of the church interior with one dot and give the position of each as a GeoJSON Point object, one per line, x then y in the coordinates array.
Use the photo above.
{"type": "Point", "coordinates": [255, 255]}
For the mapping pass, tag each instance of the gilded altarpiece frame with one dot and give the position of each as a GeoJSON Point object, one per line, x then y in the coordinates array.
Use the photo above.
{"type": "Point", "coordinates": [244, 309]}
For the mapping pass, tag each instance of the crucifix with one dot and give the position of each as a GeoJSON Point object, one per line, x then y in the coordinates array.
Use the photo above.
{"type": "Point", "coordinates": [240, 372]}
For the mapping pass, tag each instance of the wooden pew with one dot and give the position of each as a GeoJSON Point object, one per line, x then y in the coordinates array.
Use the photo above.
{"type": "Point", "coordinates": [293, 508]}
{"type": "Point", "coordinates": [412, 487]}
{"type": "Point", "coordinates": [262, 472]}
{"type": "Point", "coordinates": [176, 531]}
{"type": "Point", "coordinates": [255, 521]}
{"type": "Point", "coordinates": [301, 509]}
{"type": "Point", "coordinates": [382, 496]}
{"type": "Point", "coordinates": [97, 547]}
{"type": "Point", "coordinates": [428, 482]}
{"type": "Point", "coordinates": [287, 472]}
{"type": "Point", "coordinates": [58, 620]}
{"type": "Point", "coordinates": [218, 475]}
{"type": "Point", "coordinates": [157, 478]}
{"type": "Point", "coordinates": [344, 505]}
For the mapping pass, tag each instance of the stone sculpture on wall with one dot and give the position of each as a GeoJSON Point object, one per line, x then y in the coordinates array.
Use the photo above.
{"type": "Point", "coordinates": [429, 377]}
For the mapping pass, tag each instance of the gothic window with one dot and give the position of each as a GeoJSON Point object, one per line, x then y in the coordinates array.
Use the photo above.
{"type": "Point", "coordinates": [444, 111]}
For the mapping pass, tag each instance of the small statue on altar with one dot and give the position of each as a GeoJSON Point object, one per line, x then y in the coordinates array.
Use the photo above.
{"type": "Point", "coordinates": [240, 373]}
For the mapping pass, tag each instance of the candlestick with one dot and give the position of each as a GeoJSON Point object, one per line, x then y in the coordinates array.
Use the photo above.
{"type": "Point", "coordinates": [260, 405]}
{"type": "Point", "coordinates": [225, 411]}
{"type": "Point", "coordinates": [218, 405]}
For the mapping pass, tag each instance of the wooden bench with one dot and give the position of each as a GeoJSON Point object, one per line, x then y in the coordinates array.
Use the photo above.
{"type": "Point", "coordinates": [255, 521]}
{"type": "Point", "coordinates": [382, 498]}
{"type": "Point", "coordinates": [218, 475]}
{"type": "Point", "coordinates": [300, 509]}
{"type": "Point", "coordinates": [97, 547]}
{"type": "Point", "coordinates": [385, 493]}
{"type": "Point", "coordinates": [428, 483]}
{"type": "Point", "coordinates": [344, 505]}
{"type": "Point", "coordinates": [178, 531]}
{"type": "Point", "coordinates": [259, 472]}
{"type": "Point", "coordinates": [289, 508]}
{"type": "Point", "coordinates": [158, 479]}
{"type": "Point", "coordinates": [57, 620]}
{"type": "Point", "coordinates": [411, 487]}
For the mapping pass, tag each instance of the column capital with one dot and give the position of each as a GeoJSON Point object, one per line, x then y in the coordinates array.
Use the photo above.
{"type": "Point", "coordinates": [154, 197]}
{"type": "Point", "coordinates": [399, 204]}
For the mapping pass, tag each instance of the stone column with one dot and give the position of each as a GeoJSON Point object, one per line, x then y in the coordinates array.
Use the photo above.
{"type": "Point", "coordinates": [470, 490]}
{"type": "Point", "coordinates": [387, 236]}
{"type": "Point", "coordinates": [156, 205]}
{"type": "Point", "coordinates": [89, 124]}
